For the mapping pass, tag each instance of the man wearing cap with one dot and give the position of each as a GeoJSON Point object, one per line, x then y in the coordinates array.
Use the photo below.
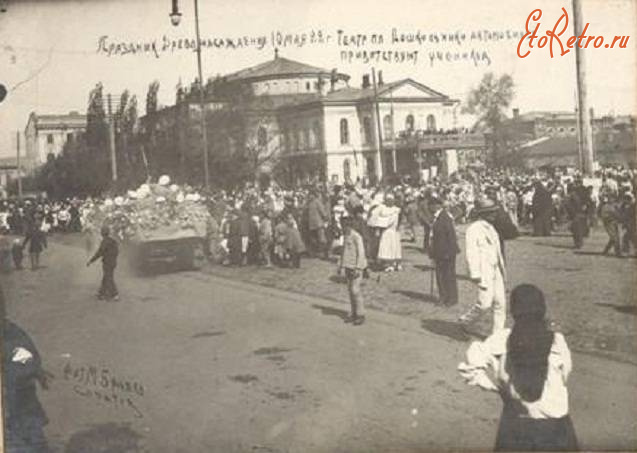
{"type": "Point", "coordinates": [354, 261]}
{"type": "Point", "coordinates": [443, 251]}
{"type": "Point", "coordinates": [108, 252]}
{"type": "Point", "coordinates": [486, 265]}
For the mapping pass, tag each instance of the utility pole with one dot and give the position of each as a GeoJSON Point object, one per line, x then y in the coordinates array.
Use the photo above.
{"type": "Point", "coordinates": [3, 315]}
{"type": "Point", "coordinates": [393, 133]}
{"type": "Point", "coordinates": [17, 136]}
{"type": "Point", "coordinates": [111, 139]}
{"type": "Point", "coordinates": [584, 120]}
{"type": "Point", "coordinates": [379, 160]}
{"type": "Point", "coordinates": [202, 103]}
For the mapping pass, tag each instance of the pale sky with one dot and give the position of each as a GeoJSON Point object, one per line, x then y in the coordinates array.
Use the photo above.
{"type": "Point", "coordinates": [48, 49]}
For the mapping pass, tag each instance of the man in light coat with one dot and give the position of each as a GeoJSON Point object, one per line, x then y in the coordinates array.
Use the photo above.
{"type": "Point", "coordinates": [486, 265]}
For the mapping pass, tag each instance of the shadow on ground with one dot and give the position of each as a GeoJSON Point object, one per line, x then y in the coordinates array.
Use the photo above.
{"type": "Point", "coordinates": [427, 268]}
{"type": "Point", "coordinates": [448, 329]}
{"type": "Point", "coordinates": [430, 298]}
{"type": "Point", "coordinates": [107, 438]}
{"type": "Point", "coordinates": [629, 309]}
{"type": "Point", "coordinates": [329, 311]}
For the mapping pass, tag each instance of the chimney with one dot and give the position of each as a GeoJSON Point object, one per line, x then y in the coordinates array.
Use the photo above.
{"type": "Point", "coordinates": [321, 85]}
{"type": "Point", "coordinates": [333, 80]}
{"type": "Point", "coordinates": [380, 78]}
{"type": "Point", "coordinates": [365, 81]}
{"type": "Point", "coordinates": [516, 114]}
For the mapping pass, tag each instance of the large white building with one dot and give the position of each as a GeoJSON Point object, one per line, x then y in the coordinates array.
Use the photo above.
{"type": "Point", "coordinates": [321, 126]}
{"type": "Point", "coordinates": [47, 134]}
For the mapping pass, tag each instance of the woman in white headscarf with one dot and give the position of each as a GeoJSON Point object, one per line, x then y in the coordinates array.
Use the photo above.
{"type": "Point", "coordinates": [389, 249]}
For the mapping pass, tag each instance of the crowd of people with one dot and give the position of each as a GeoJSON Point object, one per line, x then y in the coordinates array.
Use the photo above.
{"type": "Point", "coordinates": [365, 227]}
{"type": "Point", "coordinates": [281, 225]}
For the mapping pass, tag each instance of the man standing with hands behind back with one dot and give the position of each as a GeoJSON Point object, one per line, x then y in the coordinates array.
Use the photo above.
{"type": "Point", "coordinates": [108, 251]}
{"type": "Point", "coordinates": [443, 249]}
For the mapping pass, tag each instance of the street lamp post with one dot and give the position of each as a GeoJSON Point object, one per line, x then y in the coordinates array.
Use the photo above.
{"type": "Point", "coordinates": [175, 17]}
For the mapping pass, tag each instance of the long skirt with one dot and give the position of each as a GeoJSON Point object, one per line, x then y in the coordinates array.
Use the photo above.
{"type": "Point", "coordinates": [529, 434]}
{"type": "Point", "coordinates": [390, 248]}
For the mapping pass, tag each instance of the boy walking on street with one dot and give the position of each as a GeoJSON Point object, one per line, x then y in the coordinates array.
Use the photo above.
{"type": "Point", "coordinates": [108, 252]}
{"type": "Point", "coordinates": [354, 262]}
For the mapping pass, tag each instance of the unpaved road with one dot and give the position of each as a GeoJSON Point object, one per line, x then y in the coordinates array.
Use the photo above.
{"type": "Point", "coordinates": [203, 364]}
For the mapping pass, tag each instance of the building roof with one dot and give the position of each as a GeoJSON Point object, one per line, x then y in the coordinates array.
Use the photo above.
{"type": "Point", "coordinates": [548, 115]}
{"type": "Point", "coordinates": [278, 68]}
{"type": "Point", "coordinates": [59, 121]}
{"type": "Point", "coordinates": [611, 147]}
{"type": "Point", "coordinates": [351, 95]}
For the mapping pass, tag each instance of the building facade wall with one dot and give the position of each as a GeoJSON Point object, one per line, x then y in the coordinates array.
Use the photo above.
{"type": "Point", "coordinates": [293, 85]}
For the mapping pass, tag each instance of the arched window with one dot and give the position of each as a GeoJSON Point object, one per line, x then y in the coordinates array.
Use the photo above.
{"type": "Point", "coordinates": [316, 127]}
{"type": "Point", "coordinates": [286, 140]}
{"type": "Point", "coordinates": [431, 123]}
{"type": "Point", "coordinates": [300, 139]}
{"type": "Point", "coordinates": [409, 122]}
{"type": "Point", "coordinates": [347, 171]}
{"type": "Point", "coordinates": [297, 139]}
{"type": "Point", "coordinates": [262, 136]}
{"type": "Point", "coordinates": [367, 130]}
{"type": "Point", "coordinates": [388, 127]}
{"type": "Point", "coordinates": [344, 132]}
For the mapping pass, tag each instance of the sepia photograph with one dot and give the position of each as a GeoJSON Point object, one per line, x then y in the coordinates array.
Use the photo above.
{"type": "Point", "coordinates": [318, 226]}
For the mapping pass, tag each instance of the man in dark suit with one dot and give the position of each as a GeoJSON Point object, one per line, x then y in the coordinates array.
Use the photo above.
{"type": "Point", "coordinates": [443, 249]}
{"type": "Point", "coordinates": [108, 252]}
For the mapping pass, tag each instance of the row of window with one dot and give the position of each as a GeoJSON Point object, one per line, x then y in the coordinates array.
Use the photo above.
{"type": "Point", "coordinates": [308, 138]}
{"type": "Point", "coordinates": [290, 87]}
{"type": "Point", "coordinates": [562, 129]}
{"type": "Point", "coordinates": [388, 129]}
{"type": "Point", "coordinates": [49, 138]}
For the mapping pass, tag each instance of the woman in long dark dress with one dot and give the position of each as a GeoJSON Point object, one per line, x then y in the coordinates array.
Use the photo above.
{"type": "Point", "coordinates": [531, 365]}
{"type": "Point", "coordinates": [36, 240]}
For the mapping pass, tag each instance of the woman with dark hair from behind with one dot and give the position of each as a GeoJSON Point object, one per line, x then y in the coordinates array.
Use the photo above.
{"type": "Point", "coordinates": [530, 365]}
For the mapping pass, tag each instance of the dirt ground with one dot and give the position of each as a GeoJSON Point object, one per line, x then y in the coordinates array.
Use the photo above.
{"type": "Point", "coordinates": [591, 297]}
{"type": "Point", "coordinates": [191, 362]}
